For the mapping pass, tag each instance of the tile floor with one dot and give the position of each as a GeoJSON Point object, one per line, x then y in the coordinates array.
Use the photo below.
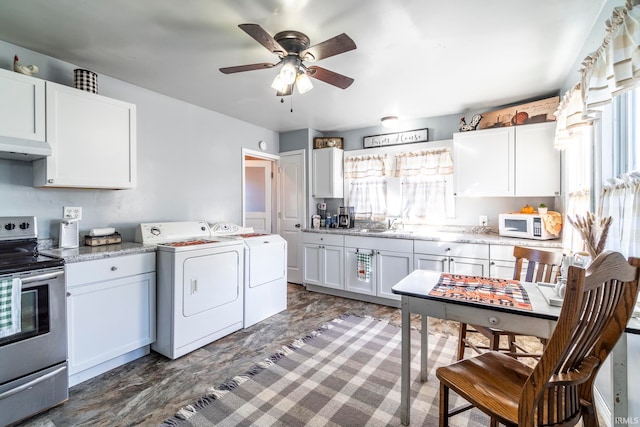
{"type": "Point", "coordinates": [151, 389]}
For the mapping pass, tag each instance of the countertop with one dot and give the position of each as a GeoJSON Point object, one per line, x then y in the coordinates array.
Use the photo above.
{"type": "Point", "coordinates": [459, 236]}
{"type": "Point", "coordinates": [89, 253]}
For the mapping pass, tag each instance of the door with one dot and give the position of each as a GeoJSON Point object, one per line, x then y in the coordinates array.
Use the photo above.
{"type": "Point", "coordinates": [333, 267]}
{"type": "Point", "coordinates": [391, 268]}
{"type": "Point", "coordinates": [292, 210]}
{"type": "Point", "coordinates": [257, 176]}
{"type": "Point", "coordinates": [431, 262]}
{"type": "Point", "coordinates": [312, 257]}
{"type": "Point", "coordinates": [355, 282]}
{"type": "Point", "coordinates": [469, 266]}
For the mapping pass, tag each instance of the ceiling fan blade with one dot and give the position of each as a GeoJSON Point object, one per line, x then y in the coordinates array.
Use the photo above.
{"type": "Point", "coordinates": [249, 67]}
{"type": "Point", "coordinates": [288, 91]}
{"type": "Point", "coordinates": [330, 77]}
{"type": "Point", "coordinates": [338, 44]}
{"type": "Point", "coordinates": [264, 38]}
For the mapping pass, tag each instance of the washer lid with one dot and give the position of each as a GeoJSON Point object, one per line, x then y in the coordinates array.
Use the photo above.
{"type": "Point", "coordinates": [228, 229]}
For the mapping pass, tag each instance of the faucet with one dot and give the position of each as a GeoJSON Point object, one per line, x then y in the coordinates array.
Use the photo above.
{"type": "Point", "coordinates": [391, 222]}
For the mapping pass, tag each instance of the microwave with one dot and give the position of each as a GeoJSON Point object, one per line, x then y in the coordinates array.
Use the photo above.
{"type": "Point", "coordinates": [526, 226]}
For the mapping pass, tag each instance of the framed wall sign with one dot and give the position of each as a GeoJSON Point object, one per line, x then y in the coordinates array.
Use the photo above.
{"type": "Point", "coordinates": [408, 137]}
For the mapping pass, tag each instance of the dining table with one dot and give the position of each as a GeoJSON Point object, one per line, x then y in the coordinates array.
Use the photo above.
{"type": "Point", "coordinates": [419, 293]}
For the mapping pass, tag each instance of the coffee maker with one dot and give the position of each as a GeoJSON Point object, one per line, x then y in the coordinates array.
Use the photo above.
{"type": "Point", "coordinates": [346, 217]}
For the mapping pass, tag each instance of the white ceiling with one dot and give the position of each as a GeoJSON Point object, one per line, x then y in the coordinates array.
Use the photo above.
{"type": "Point", "coordinates": [414, 58]}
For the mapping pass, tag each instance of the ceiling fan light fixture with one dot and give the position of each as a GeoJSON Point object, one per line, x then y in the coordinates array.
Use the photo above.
{"type": "Point", "coordinates": [288, 73]}
{"type": "Point", "coordinates": [278, 84]}
{"type": "Point", "coordinates": [389, 121]}
{"type": "Point", "coordinates": [303, 82]}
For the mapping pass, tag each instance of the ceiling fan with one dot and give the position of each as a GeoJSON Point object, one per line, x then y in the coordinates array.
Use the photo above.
{"type": "Point", "coordinates": [292, 47]}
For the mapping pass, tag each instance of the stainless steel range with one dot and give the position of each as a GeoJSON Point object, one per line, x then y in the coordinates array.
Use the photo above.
{"type": "Point", "coordinates": [33, 334]}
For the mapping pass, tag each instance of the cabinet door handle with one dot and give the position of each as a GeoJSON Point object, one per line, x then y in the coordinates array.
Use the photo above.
{"type": "Point", "coordinates": [114, 268]}
{"type": "Point", "coordinates": [492, 263]}
{"type": "Point", "coordinates": [51, 180]}
{"type": "Point", "coordinates": [68, 294]}
{"type": "Point", "coordinates": [297, 226]}
{"type": "Point", "coordinates": [194, 286]}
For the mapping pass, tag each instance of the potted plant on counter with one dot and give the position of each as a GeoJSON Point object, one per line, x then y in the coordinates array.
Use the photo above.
{"type": "Point", "coordinates": [542, 209]}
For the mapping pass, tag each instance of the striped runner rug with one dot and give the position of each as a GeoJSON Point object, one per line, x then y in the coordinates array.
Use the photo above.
{"type": "Point", "coordinates": [346, 373]}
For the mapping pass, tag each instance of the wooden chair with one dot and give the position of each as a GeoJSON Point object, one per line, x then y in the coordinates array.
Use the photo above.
{"type": "Point", "coordinates": [558, 391]}
{"type": "Point", "coordinates": [541, 266]}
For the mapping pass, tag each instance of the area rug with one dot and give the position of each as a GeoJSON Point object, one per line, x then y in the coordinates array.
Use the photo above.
{"type": "Point", "coordinates": [346, 373]}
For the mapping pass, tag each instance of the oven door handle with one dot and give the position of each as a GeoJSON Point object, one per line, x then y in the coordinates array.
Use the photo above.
{"type": "Point", "coordinates": [45, 276]}
{"type": "Point", "coordinates": [31, 383]}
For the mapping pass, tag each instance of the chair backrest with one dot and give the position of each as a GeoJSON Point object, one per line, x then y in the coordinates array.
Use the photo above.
{"type": "Point", "coordinates": [597, 306]}
{"type": "Point", "coordinates": [542, 266]}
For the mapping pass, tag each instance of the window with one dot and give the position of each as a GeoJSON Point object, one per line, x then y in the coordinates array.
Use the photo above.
{"type": "Point", "coordinates": [418, 190]}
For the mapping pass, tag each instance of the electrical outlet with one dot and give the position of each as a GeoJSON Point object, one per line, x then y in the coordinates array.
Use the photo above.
{"type": "Point", "coordinates": [483, 221]}
{"type": "Point", "coordinates": [69, 212]}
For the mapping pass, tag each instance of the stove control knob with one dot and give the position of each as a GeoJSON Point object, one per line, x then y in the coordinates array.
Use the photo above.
{"type": "Point", "coordinates": [155, 231]}
{"type": "Point", "coordinates": [24, 226]}
{"type": "Point", "coordinates": [9, 226]}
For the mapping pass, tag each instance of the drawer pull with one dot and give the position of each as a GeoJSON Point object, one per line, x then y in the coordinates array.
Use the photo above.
{"type": "Point", "coordinates": [114, 268]}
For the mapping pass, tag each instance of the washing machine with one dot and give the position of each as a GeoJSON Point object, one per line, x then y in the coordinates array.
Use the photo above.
{"type": "Point", "coordinates": [200, 285]}
{"type": "Point", "coordinates": [265, 270]}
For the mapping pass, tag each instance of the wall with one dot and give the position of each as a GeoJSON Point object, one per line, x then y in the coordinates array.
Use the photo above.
{"type": "Point", "coordinates": [441, 129]}
{"type": "Point", "coordinates": [189, 162]}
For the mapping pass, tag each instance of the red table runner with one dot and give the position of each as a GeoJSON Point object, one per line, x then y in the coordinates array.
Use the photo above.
{"type": "Point", "coordinates": [484, 290]}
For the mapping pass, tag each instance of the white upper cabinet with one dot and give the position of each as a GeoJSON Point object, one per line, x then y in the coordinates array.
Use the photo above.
{"type": "Point", "coordinates": [537, 164]}
{"type": "Point", "coordinates": [512, 161]}
{"type": "Point", "coordinates": [21, 106]}
{"type": "Point", "coordinates": [328, 173]}
{"type": "Point", "coordinates": [93, 139]}
{"type": "Point", "coordinates": [483, 162]}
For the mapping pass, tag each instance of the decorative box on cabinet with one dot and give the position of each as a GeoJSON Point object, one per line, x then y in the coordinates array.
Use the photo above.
{"type": "Point", "coordinates": [93, 139]}
{"type": "Point", "coordinates": [516, 161]}
{"type": "Point", "coordinates": [328, 173]}
{"type": "Point", "coordinates": [22, 114]}
{"type": "Point", "coordinates": [449, 257]}
{"type": "Point", "coordinates": [110, 313]}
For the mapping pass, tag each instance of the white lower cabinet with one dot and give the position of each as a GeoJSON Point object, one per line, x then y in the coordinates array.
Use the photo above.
{"type": "Point", "coordinates": [390, 260]}
{"type": "Point", "coordinates": [460, 258]}
{"type": "Point", "coordinates": [323, 260]}
{"type": "Point", "coordinates": [502, 262]}
{"type": "Point", "coordinates": [110, 313]}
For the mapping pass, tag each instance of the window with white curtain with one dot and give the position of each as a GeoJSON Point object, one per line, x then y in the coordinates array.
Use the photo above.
{"type": "Point", "coordinates": [620, 194]}
{"type": "Point", "coordinates": [420, 178]}
{"type": "Point", "coordinates": [424, 185]}
{"type": "Point", "coordinates": [367, 185]}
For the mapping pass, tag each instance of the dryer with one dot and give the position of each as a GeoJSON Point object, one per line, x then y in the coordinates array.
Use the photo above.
{"type": "Point", "coordinates": [265, 270]}
{"type": "Point", "coordinates": [200, 285]}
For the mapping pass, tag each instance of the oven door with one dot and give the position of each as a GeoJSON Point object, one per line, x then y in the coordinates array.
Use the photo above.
{"type": "Point", "coordinates": [42, 340]}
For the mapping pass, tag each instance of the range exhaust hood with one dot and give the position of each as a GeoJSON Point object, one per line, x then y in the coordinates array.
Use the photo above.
{"type": "Point", "coordinates": [23, 149]}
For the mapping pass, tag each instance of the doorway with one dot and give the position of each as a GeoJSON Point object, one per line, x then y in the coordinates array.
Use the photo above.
{"type": "Point", "coordinates": [259, 191]}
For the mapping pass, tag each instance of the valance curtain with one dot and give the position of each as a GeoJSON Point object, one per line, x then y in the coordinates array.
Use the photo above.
{"type": "Point", "coordinates": [615, 66]}
{"type": "Point", "coordinates": [607, 72]}
{"type": "Point", "coordinates": [425, 162]}
{"type": "Point", "coordinates": [620, 199]}
{"type": "Point", "coordinates": [373, 166]}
